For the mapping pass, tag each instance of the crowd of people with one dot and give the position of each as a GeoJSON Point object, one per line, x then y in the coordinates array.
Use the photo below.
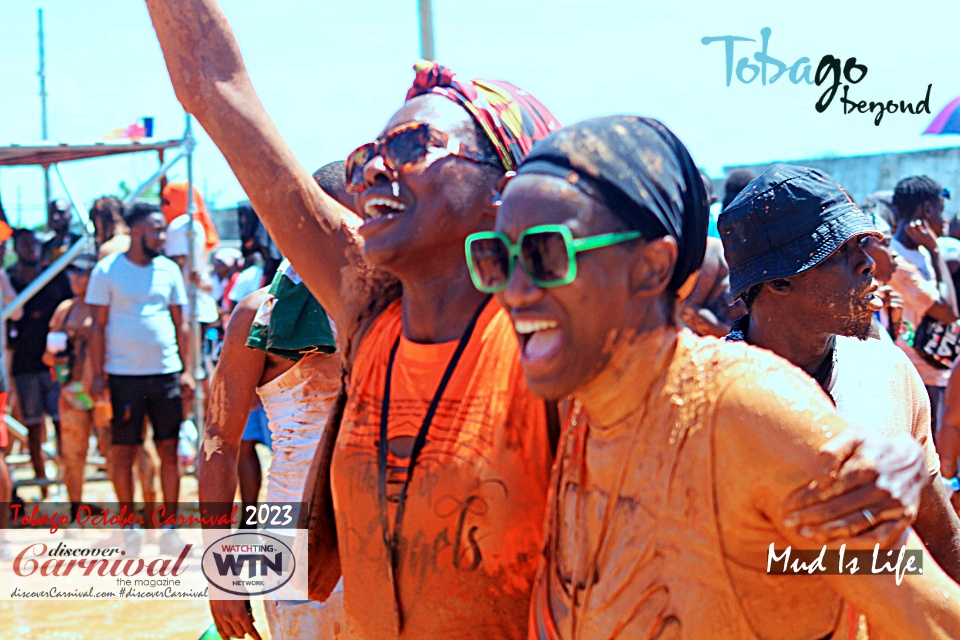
{"type": "Point", "coordinates": [103, 348]}
{"type": "Point", "coordinates": [676, 460]}
{"type": "Point", "coordinates": [526, 382]}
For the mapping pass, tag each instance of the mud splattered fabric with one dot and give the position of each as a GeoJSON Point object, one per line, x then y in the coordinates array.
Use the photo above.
{"type": "Point", "coordinates": [474, 509]}
{"type": "Point", "coordinates": [512, 118]}
{"type": "Point", "coordinates": [663, 535]}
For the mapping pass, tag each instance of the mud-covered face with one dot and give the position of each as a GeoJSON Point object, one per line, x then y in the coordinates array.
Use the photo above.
{"type": "Point", "coordinates": [566, 332]}
{"type": "Point", "coordinates": [838, 296]}
{"type": "Point", "coordinates": [425, 209]}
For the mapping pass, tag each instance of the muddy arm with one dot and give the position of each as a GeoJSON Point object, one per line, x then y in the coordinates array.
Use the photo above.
{"type": "Point", "coordinates": [211, 82]}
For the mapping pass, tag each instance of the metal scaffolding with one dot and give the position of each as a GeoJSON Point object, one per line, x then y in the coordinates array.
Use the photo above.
{"type": "Point", "coordinates": [48, 156]}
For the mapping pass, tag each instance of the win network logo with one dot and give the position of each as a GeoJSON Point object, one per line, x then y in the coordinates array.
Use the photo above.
{"type": "Point", "coordinates": [248, 564]}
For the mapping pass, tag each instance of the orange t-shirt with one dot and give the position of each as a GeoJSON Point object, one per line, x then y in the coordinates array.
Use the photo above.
{"type": "Point", "coordinates": [473, 522]}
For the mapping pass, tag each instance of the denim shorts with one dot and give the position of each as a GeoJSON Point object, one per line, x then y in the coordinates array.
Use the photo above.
{"type": "Point", "coordinates": [258, 429]}
{"type": "Point", "coordinates": [38, 394]}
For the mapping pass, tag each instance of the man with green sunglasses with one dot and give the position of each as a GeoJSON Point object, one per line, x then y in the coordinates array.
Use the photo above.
{"type": "Point", "coordinates": [547, 253]}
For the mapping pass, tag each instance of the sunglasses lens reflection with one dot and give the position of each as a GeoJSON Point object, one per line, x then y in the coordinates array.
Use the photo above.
{"type": "Point", "coordinates": [407, 146]}
{"type": "Point", "coordinates": [491, 262]}
{"type": "Point", "coordinates": [545, 256]}
{"type": "Point", "coordinates": [356, 161]}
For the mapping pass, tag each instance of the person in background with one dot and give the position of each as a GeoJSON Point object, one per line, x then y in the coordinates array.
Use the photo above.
{"type": "Point", "coordinates": [177, 247]}
{"type": "Point", "coordinates": [249, 279]}
{"type": "Point", "coordinates": [289, 361]}
{"type": "Point", "coordinates": [949, 245]}
{"type": "Point", "coordinates": [924, 283]}
{"type": "Point", "coordinates": [58, 221]}
{"type": "Point", "coordinates": [112, 235]}
{"type": "Point", "coordinates": [711, 200]}
{"type": "Point", "coordinates": [256, 240]}
{"type": "Point", "coordinates": [67, 355]}
{"type": "Point", "coordinates": [295, 384]}
{"type": "Point", "coordinates": [710, 310]}
{"type": "Point", "coordinates": [37, 392]}
{"type": "Point", "coordinates": [887, 321]}
{"type": "Point", "coordinates": [796, 246]}
{"type": "Point", "coordinates": [140, 340]}
{"type": "Point", "coordinates": [736, 181]}
{"type": "Point", "coordinates": [948, 446]}
{"type": "Point", "coordinates": [110, 231]}
{"type": "Point", "coordinates": [226, 264]}
{"type": "Point", "coordinates": [173, 204]}
{"type": "Point", "coordinates": [226, 267]}
{"type": "Point", "coordinates": [6, 481]}
{"type": "Point", "coordinates": [489, 448]}
{"type": "Point", "coordinates": [7, 294]}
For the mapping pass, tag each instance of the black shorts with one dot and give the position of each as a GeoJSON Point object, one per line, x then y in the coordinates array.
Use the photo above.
{"type": "Point", "coordinates": [133, 397]}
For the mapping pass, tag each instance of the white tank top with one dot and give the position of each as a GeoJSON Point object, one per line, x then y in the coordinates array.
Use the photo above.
{"type": "Point", "coordinates": [298, 404]}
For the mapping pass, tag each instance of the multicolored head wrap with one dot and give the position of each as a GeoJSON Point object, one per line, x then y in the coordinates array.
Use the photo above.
{"type": "Point", "coordinates": [512, 118]}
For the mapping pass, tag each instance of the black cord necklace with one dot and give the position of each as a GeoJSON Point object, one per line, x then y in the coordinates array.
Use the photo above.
{"type": "Point", "coordinates": [392, 542]}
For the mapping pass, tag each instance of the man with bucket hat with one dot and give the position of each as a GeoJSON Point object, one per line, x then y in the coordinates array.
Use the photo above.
{"type": "Point", "coordinates": [794, 241]}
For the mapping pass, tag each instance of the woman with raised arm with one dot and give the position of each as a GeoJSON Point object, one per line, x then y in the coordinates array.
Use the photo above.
{"type": "Point", "coordinates": [440, 471]}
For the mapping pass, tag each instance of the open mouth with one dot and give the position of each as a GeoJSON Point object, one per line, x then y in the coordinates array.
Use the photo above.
{"type": "Point", "coordinates": [539, 339]}
{"type": "Point", "coordinates": [871, 298]}
{"type": "Point", "coordinates": [383, 207]}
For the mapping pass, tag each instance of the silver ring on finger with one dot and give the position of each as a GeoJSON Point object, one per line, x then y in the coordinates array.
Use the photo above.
{"type": "Point", "coordinates": [869, 516]}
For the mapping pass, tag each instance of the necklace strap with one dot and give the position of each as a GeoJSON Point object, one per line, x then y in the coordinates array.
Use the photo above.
{"type": "Point", "coordinates": [392, 542]}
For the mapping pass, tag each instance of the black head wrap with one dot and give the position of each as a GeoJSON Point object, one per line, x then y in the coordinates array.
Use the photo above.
{"type": "Point", "coordinates": [640, 171]}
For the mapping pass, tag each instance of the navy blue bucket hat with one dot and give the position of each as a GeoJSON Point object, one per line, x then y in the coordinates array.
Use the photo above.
{"type": "Point", "coordinates": [785, 221]}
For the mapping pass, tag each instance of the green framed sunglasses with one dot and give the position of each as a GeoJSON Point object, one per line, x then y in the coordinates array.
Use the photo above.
{"type": "Point", "coordinates": [547, 253]}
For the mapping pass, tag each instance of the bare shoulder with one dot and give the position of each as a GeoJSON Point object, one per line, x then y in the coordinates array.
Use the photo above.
{"type": "Point", "coordinates": [59, 317]}
{"type": "Point", "coordinates": [241, 319]}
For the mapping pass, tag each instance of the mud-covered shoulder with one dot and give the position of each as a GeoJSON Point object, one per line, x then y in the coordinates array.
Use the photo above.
{"type": "Point", "coordinates": [770, 421]}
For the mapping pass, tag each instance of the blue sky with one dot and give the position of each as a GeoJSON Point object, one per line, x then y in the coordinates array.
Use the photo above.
{"type": "Point", "coordinates": [331, 73]}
